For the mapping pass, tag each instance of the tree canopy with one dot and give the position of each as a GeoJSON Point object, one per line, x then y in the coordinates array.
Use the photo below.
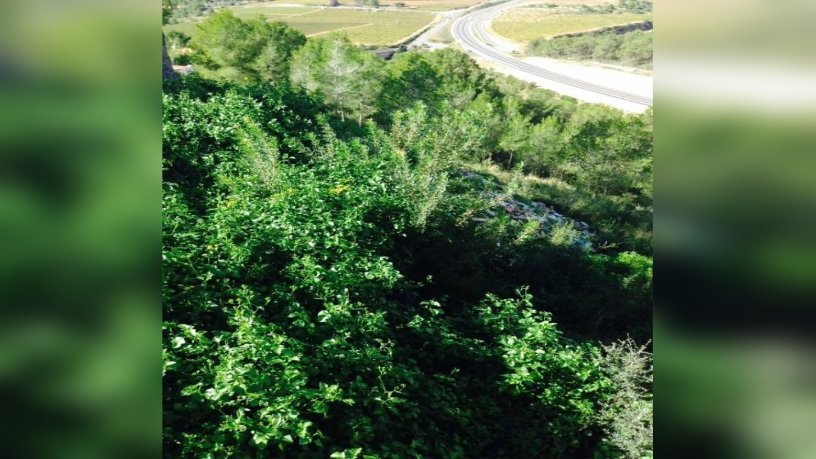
{"type": "Point", "coordinates": [249, 51]}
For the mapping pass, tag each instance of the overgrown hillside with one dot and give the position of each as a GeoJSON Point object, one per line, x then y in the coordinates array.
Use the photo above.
{"type": "Point", "coordinates": [385, 260]}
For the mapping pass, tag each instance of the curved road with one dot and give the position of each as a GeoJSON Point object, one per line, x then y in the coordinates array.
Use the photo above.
{"type": "Point", "coordinates": [470, 30]}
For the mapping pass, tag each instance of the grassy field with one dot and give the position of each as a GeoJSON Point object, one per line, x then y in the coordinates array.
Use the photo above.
{"type": "Point", "coordinates": [527, 24]}
{"type": "Point", "coordinates": [363, 27]}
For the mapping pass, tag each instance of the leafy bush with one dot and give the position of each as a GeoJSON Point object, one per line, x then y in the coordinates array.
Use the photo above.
{"type": "Point", "coordinates": [314, 305]}
{"type": "Point", "coordinates": [629, 411]}
{"type": "Point", "coordinates": [177, 39]}
{"type": "Point", "coordinates": [182, 59]}
{"type": "Point", "coordinates": [249, 51]}
{"type": "Point", "coordinates": [331, 288]}
{"type": "Point", "coordinates": [564, 235]}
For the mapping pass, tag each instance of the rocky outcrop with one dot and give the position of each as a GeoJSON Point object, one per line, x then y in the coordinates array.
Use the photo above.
{"type": "Point", "coordinates": [183, 69]}
{"type": "Point", "coordinates": [546, 216]}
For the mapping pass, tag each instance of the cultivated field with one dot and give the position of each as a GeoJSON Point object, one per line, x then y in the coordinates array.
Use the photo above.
{"type": "Point", "coordinates": [569, 2]}
{"type": "Point", "coordinates": [526, 24]}
{"type": "Point", "coordinates": [433, 5]}
{"type": "Point", "coordinates": [364, 27]}
{"type": "Point", "coordinates": [272, 12]}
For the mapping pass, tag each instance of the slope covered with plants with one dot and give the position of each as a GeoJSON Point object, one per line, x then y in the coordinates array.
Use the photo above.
{"type": "Point", "coordinates": [336, 283]}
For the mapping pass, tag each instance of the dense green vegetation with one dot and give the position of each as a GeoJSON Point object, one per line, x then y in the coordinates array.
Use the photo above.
{"type": "Point", "coordinates": [330, 292]}
{"type": "Point", "coordinates": [250, 51]}
{"type": "Point", "coordinates": [631, 48]}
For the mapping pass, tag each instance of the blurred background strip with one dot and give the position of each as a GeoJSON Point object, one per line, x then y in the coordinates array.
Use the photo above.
{"type": "Point", "coordinates": [80, 226]}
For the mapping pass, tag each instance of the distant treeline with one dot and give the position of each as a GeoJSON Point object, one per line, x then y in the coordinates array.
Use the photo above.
{"type": "Point", "coordinates": [623, 6]}
{"type": "Point", "coordinates": [631, 48]}
{"type": "Point", "coordinates": [182, 9]}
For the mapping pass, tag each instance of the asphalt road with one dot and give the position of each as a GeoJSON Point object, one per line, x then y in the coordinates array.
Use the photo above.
{"type": "Point", "coordinates": [470, 31]}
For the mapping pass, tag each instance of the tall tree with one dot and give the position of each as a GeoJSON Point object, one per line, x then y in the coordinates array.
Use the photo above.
{"type": "Point", "coordinates": [410, 79]}
{"type": "Point", "coordinates": [252, 50]}
{"type": "Point", "coordinates": [461, 78]}
{"type": "Point", "coordinates": [606, 153]}
{"type": "Point", "coordinates": [346, 76]}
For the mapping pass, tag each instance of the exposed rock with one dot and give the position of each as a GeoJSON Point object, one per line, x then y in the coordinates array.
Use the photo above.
{"type": "Point", "coordinates": [538, 211]}
{"type": "Point", "coordinates": [183, 69]}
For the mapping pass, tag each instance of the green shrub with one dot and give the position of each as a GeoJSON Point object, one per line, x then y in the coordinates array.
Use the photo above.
{"type": "Point", "coordinates": [329, 292]}
{"type": "Point", "coordinates": [564, 235]}
{"type": "Point", "coordinates": [182, 59]}
{"type": "Point", "coordinates": [249, 51]}
{"type": "Point", "coordinates": [629, 411]}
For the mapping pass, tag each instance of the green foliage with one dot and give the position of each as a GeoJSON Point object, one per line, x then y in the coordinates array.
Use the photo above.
{"type": "Point", "coordinates": [563, 235]}
{"type": "Point", "coordinates": [630, 48]}
{"type": "Point", "coordinates": [629, 410]}
{"type": "Point", "coordinates": [177, 39]}
{"type": "Point", "coordinates": [461, 79]}
{"type": "Point", "coordinates": [635, 6]}
{"type": "Point", "coordinates": [167, 10]}
{"type": "Point", "coordinates": [342, 74]}
{"type": "Point", "coordinates": [606, 153]}
{"type": "Point", "coordinates": [330, 292]}
{"type": "Point", "coordinates": [432, 146]}
{"type": "Point", "coordinates": [434, 142]}
{"type": "Point", "coordinates": [293, 329]}
{"type": "Point", "coordinates": [541, 365]}
{"type": "Point", "coordinates": [182, 59]}
{"type": "Point", "coordinates": [249, 51]}
{"type": "Point", "coordinates": [411, 78]}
